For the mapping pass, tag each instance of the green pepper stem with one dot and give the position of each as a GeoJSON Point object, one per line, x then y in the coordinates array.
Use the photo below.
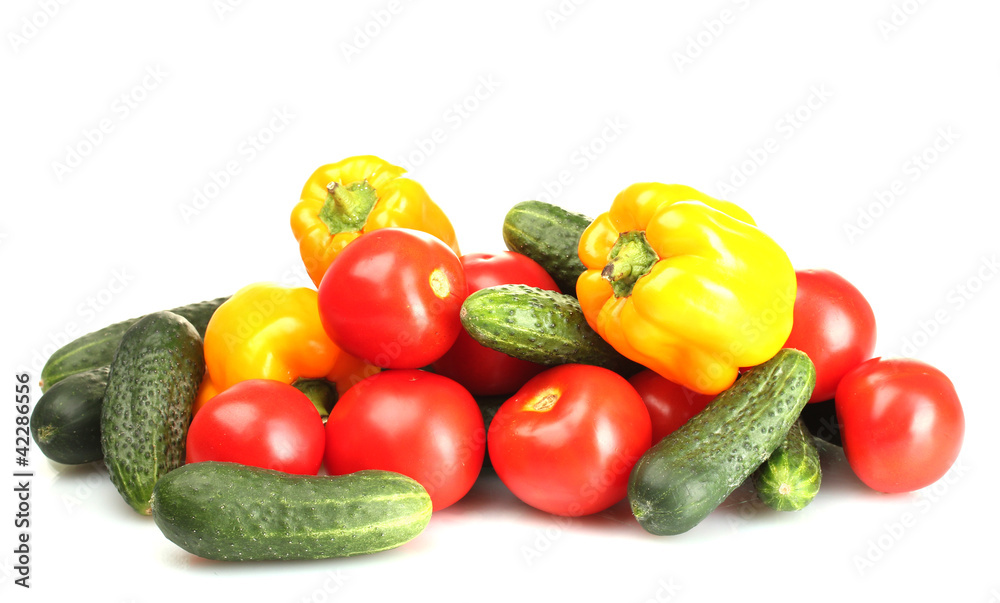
{"type": "Point", "coordinates": [347, 207]}
{"type": "Point", "coordinates": [631, 258]}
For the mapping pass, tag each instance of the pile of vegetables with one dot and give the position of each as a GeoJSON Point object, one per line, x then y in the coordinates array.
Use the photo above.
{"type": "Point", "coordinates": [665, 352]}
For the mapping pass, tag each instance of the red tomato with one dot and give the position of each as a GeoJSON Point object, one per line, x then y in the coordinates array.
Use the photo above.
{"type": "Point", "coordinates": [833, 324]}
{"type": "Point", "coordinates": [392, 297]}
{"type": "Point", "coordinates": [566, 442]}
{"type": "Point", "coordinates": [484, 371]}
{"type": "Point", "coordinates": [262, 423]}
{"type": "Point", "coordinates": [670, 405]}
{"type": "Point", "coordinates": [422, 425]}
{"type": "Point", "coordinates": [901, 422]}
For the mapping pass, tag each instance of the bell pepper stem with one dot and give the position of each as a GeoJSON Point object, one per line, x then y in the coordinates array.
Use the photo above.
{"type": "Point", "coordinates": [347, 207]}
{"type": "Point", "coordinates": [631, 258]}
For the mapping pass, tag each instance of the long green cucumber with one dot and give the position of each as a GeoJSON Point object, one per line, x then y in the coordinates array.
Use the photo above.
{"type": "Point", "coordinates": [152, 385]}
{"type": "Point", "coordinates": [96, 349]}
{"type": "Point", "coordinates": [540, 326]}
{"type": "Point", "coordinates": [684, 477]}
{"type": "Point", "coordinates": [234, 512]}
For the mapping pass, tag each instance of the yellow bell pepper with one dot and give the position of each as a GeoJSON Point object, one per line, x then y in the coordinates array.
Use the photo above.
{"type": "Point", "coordinates": [343, 200]}
{"type": "Point", "coordinates": [686, 285]}
{"type": "Point", "coordinates": [267, 331]}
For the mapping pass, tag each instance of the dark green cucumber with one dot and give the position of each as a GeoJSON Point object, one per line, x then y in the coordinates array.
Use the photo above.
{"type": "Point", "coordinates": [549, 235]}
{"type": "Point", "coordinates": [488, 407]}
{"type": "Point", "coordinates": [234, 512]}
{"type": "Point", "coordinates": [96, 349]}
{"type": "Point", "coordinates": [821, 419]}
{"type": "Point", "coordinates": [685, 476]}
{"type": "Point", "coordinates": [790, 478]}
{"type": "Point", "coordinates": [540, 326]}
{"type": "Point", "coordinates": [152, 385]}
{"type": "Point", "coordinates": [66, 420]}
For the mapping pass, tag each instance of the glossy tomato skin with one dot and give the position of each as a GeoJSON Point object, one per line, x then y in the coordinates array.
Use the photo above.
{"type": "Point", "coordinates": [392, 297]}
{"type": "Point", "coordinates": [833, 324]}
{"type": "Point", "coordinates": [484, 371]}
{"type": "Point", "coordinates": [259, 422]}
{"type": "Point", "coordinates": [901, 422]}
{"type": "Point", "coordinates": [670, 405]}
{"type": "Point", "coordinates": [422, 425]}
{"type": "Point", "coordinates": [566, 442]}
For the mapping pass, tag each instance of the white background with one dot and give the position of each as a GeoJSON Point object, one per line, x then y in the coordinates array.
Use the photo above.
{"type": "Point", "coordinates": [488, 105]}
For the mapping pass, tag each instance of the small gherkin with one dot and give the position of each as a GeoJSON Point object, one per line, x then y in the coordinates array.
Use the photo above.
{"type": "Point", "coordinates": [790, 478]}
{"type": "Point", "coordinates": [152, 385]}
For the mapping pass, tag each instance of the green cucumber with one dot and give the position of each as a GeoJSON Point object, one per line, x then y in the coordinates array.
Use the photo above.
{"type": "Point", "coordinates": [488, 407]}
{"type": "Point", "coordinates": [96, 349]}
{"type": "Point", "coordinates": [685, 476]}
{"type": "Point", "coordinates": [540, 326]}
{"type": "Point", "coordinates": [790, 478]}
{"type": "Point", "coordinates": [550, 235]}
{"type": "Point", "coordinates": [233, 512]}
{"type": "Point", "coordinates": [821, 420]}
{"type": "Point", "coordinates": [152, 385]}
{"type": "Point", "coordinates": [66, 420]}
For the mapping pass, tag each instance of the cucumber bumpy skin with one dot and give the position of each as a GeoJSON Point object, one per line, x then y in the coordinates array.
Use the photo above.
{"type": "Point", "coordinates": [97, 349]}
{"type": "Point", "coordinates": [550, 235]}
{"type": "Point", "coordinates": [539, 326]}
{"type": "Point", "coordinates": [233, 512]}
{"type": "Point", "coordinates": [152, 385]}
{"type": "Point", "coordinates": [684, 477]}
{"type": "Point", "coordinates": [790, 478]}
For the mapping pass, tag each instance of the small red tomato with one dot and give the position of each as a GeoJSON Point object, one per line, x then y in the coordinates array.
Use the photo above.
{"type": "Point", "coordinates": [901, 422]}
{"type": "Point", "coordinates": [833, 324]}
{"type": "Point", "coordinates": [422, 425]}
{"type": "Point", "coordinates": [484, 371]}
{"type": "Point", "coordinates": [262, 423]}
{"type": "Point", "coordinates": [392, 297]}
{"type": "Point", "coordinates": [566, 442]}
{"type": "Point", "coordinates": [670, 405]}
